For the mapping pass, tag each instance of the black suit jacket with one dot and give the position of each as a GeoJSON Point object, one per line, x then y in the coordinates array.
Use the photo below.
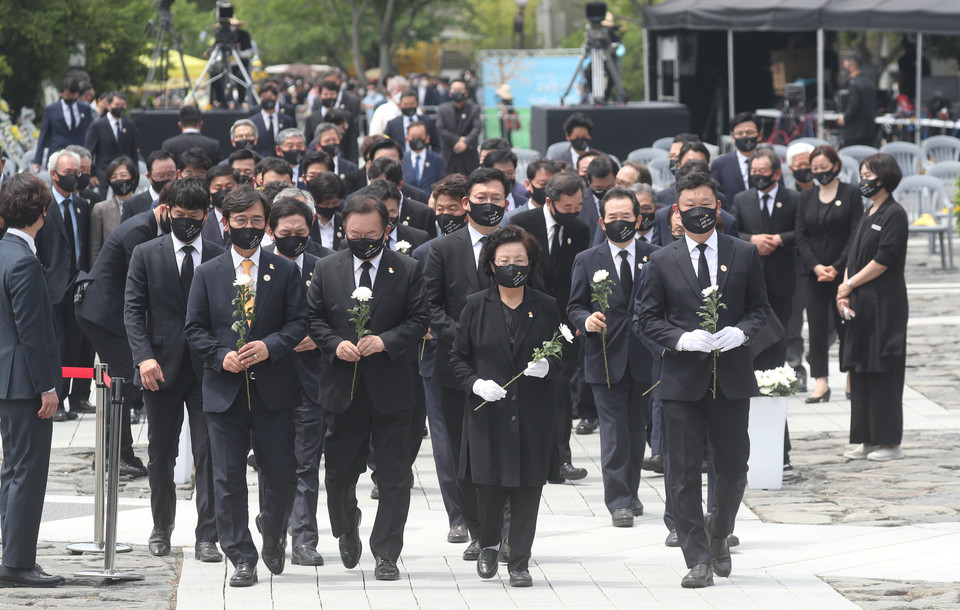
{"type": "Point", "coordinates": [179, 144]}
{"type": "Point", "coordinates": [280, 311]}
{"type": "Point", "coordinates": [101, 141]}
{"type": "Point", "coordinates": [452, 124]}
{"type": "Point", "coordinates": [53, 249]}
{"type": "Point", "coordinates": [309, 363]}
{"type": "Point", "coordinates": [394, 131]}
{"type": "Point", "coordinates": [354, 181]}
{"type": "Point", "coordinates": [825, 231]}
{"type": "Point", "coordinates": [266, 144]}
{"type": "Point", "coordinates": [780, 266]}
{"type": "Point", "coordinates": [556, 268]}
{"type": "Point", "coordinates": [626, 353]}
{"type": "Point", "coordinates": [413, 236]}
{"type": "Point", "coordinates": [398, 315]}
{"type": "Point", "coordinates": [350, 104]}
{"type": "Point", "coordinates": [338, 239]}
{"type": "Point", "coordinates": [725, 169]}
{"type": "Point", "coordinates": [213, 230]}
{"type": "Point", "coordinates": [661, 236]}
{"type": "Point", "coordinates": [138, 204]}
{"type": "Point", "coordinates": [54, 133]}
{"type": "Point", "coordinates": [155, 309]}
{"type": "Point", "coordinates": [670, 298]}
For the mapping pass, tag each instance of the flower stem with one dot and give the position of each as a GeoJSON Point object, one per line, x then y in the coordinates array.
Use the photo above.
{"type": "Point", "coordinates": [715, 374]}
{"type": "Point", "coordinates": [423, 348]}
{"type": "Point", "coordinates": [606, 369]}
{"type": "Point", "coordinates": [354, 382]}
{"type": "Point", "coordinates": [246, 375]}
{"type": "Point", "coordinates": [519, 375]}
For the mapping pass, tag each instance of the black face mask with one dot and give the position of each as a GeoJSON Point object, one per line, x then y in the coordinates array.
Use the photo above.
{"type": "Point", "coordinates": [67, 182]}
{"type": "Point", "coordinates": [365, 248]}
{"type": "Point", "coordinates": [247, 238]}
{"type": "Point", "coordinates": [417, 144]}
{"type": "Point", "coordinates": [69, 101]}
{"type": "Point", "coordinates": [245, 179]}
{"type": "Point", "coordinates": [158, 185]}
{"type": "Point", "coordinates": [598, 194]}
{"type": "Point", "coordinates": [122, 187]}
{"type": "Point", "coordinates": [824, 178]}
{"type": "Point", "coordinates": [291, 246]}
{"type": "Point", "coordinates": [268, 104]}
{"type": "Point", "coordinates": [458, 96]}
{"type": "Point", "coordinates": [869, 188]}
{"type": "Point", "coordinates": [408, 111]}
{"type": "Point", "coordinates": [449, 223]}
{"type": "Point", "coordinates": [217, 198]}
{"type": "Point", "coordinates": [486, 214]}
{"type": "Point", "coordinates": [328, 102]}
{"type": "Point", "coordinates": [326, 212]}
{"type": "Point", "coordinates": [83, 181]}
{"type": "Point", "coordinates": [620, 231]}
{"type": "Point", "coordinates": [760, 181]}
{"type": "Point", "coordinates": [646, 221]}
{"type": "Point", "coordinates": [511, 276]}
{"type": "Point", "coordinates": [186, 229]}
{"type": "Point", "coordinates": [580, 143]}
{"type": "Point", "coordinates": [243, 144]}
{"type": "Point", "coordinates": [165, 225]}
{"type": "Point", "coordinates": [539, 195]}
{"type": "Point", "coordinates": [117, 112]}
{"type": "Point", "coordinates": [393, 224]}
{"type": "Point", "coordinates": [803, 175]}
{"type": "Point", "coordinates": [331, 149]}
{"type": "Point", "coordinates": [699, 220]}
{"type": "Point", "coordinates": [674, 166]}
{"type": "Point", "coordinates": [564, 219]}
{"type": "Point", "coordinates": [746, 144]}
{"type": "Point", "coordinates": [293, 157]}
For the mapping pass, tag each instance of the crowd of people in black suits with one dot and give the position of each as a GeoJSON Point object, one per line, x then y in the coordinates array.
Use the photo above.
{"type": "Point", "coordinates": [411, 293]}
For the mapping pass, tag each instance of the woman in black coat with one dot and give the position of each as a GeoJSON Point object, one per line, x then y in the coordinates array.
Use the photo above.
{"type": "Point", "coordinates": [508, 441]}
{"type": "Point", "coordinates": [873, 298]}
{"type": "Point", "coordinates": [827, 219]}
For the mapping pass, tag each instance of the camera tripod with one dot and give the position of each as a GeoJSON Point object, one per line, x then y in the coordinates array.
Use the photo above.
{"type": "Point", "coordinates": [163, 30]}
{"type": "Point", "coordinates": [597, 48]}
{"type": "Point", "coordinates": [218, 68]}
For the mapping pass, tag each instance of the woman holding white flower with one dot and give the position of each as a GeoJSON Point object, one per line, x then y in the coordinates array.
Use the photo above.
{"type": "Point", "coordinates": [509, 440]}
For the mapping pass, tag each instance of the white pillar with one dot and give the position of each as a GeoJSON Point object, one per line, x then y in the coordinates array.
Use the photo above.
{"type": "Point", "coordinates": [731, 102]}
{"type": "Point", "coordinates": [820, 84]}
{"type": "Point", "coordinates": [646, 64]}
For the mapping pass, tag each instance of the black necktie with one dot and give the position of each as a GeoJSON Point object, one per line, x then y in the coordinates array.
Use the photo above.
{"type": "Point", "coordinates": [365, 280]}
{"type": "Point", "coordinates": [117, 124]}
{"type": "Point", "coordinates": [270, 127]}
{"type": "Point", "coordinates": [68, 223]}
{"type": "Point", "coordinates": [765, 212]}
{"type": "Point", "coordinates": [186, 271]}
{"type": "Point", "coordinates": [69, 117]}
{"type": "Point", "coordinates": [626, 273]}
{"type": "Point", "coordinates": [483, 241]}
{"type": "Point", "coordinates": [555, 242]}
{"type": "Point", "coordinates": [703, 270]}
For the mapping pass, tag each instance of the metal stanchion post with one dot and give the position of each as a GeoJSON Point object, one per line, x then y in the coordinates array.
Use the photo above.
{"type": "Point", "coordinates": [113, 490]}
{"type": "Point", "coordinates": [100, 372]}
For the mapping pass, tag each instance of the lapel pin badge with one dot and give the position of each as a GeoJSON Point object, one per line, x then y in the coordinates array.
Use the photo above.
{"type": "Point", "coordinates": [426, 164]}
{"type": "Point", "coordinates": [639, 265]}
{"type": "Point", "coordinates": [529, 314]}
{"type": "Point", "coordinates": [266, 278]}
{"type": "Point", "coordinates": [779, 204]}
{"type": "Point", "coordinates": [389, 269]}
{"type": "Point", "coordinates": [339, 234]}
{"type": "Point", "coordinates": [308, 283]}
{"type": "Point", "coordinates": [271, 266]}
{"type": "Point", "coordinates": [463, 116]}
{"type": "Point", "coordinates": [406, 223]}
{"type": "Point", "coordinates": [837, 203]}
{"type": "Point", "coordinates": [644, 259]}
{"type": "Point", "coordinates": [723, 268]}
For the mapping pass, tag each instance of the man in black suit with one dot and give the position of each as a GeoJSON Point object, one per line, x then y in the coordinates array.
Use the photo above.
{"type": "Point", "coordinates": [86, 181]}
{"type": "Point", "coordinates": [269, 121]}
{"type": "Point", "coordinates": [578, 131]}
{"type": "Point", "coordinates": [161, 170]}
{"type": "Point", "coordinates": [601, 177]}
{"type": "Point", "coordinates": [620, 375]}
{"type": "Point", "coordinates": [691, 150]}
{"type": "Point", "coordinates": [272, 169]}
{"type": "Point", "coordinates": [506, 162]}
{"type": "Point", "coordinates": [731, 170]}
{"type": "Point", "coordinates": [398, 231]}
{"type": "Point", "coordinates": [326, 138]}
{"type": "Point", "coordinates": [112, 136]}
{"type": "Point", "coordinates": [65, 121]}
{"type": "Point", "coordinates": [398, 127]}
{"type": "Point", "coordinates": [327, 227]}
{"type": "Point", "coordinates": [413, 212]}
{"type": "Point", "coordinates": [28, 394]}
{"type": "Point", "coordinates": [63, 250]}
{"type": "Point", "coordinates": [460, 124]}
{"type": "Point", "coordinates": [253, 389]}
{"type": "Point", "coordinates": [663, 236]}
{"type": "Point", "coordinates": [155, 307]}
{"type": "Point", "coordinates": [858, 117]}
{"type": "Point", "coordinates": [562, 236]}
{"type": "Point", "coordinates": [366, 396]}
{"type": "Point", "coordinates": [422, 167]}
{"type": "Point", "coordinates": [671, 297]}
{"type": "Point", "coordinates": [350, 104]}
{"type": "Point", "coordinates": [220, 180]}
{"type": "Point", "coordinates": [191, 123]}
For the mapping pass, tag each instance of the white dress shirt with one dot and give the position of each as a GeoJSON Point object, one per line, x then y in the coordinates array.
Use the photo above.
{"type": "Point", "coordinates": [475, 237]}
{"type": "Point", "coordinates": [552, 226]}
{"type": "Point", "coordinates": [418, 157]}
{"type": "Point", "coordinates": [299, 262]}
{"type": "Point", "coordinates": [744, 162]}
{"type": "Point", "coordinates": [326, 231]}
{"type": "Point", "coordinates": [357, 270]}
{"type": "Point", "coordinates": [711, 254]}
{"type": "Point", "coordinates": [30, 242]}
{"type": "Point", "coordinates": [615, 251]}
{"type": "Point", "coordinates": [180, 254]}
{"type": "Point", "coordinates": [254, 271]}
{"type": "Point", "coordinates": [116, 126]}
{"type": "Point", "coordinates": [771, 198]}
{"type": "Point", "coordinates": [219, 216]}
{"type": "Point", "coordinates": [73, 110]}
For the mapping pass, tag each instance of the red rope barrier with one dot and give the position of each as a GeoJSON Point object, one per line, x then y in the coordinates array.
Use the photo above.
{"type": "Point", "coordinates": [73, 372]}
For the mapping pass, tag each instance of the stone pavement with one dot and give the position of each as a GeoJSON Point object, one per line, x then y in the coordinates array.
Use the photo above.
{"type": "Point", "coordinates": [839, 535]}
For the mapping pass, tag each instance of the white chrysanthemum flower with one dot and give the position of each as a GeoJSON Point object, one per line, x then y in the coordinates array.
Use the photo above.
{"type": "Point", "coordinates": [403, 245]}
{"type": "Point", "coordinates": [709, 290]}
{"type": "Point", "coordinates": [566, 333]}
{"type": "Point", "coordinates": [600, 275]}
{"type": "Point", "coordinates": [362, 294]}
{"type": "Point", "coordinates": [242, 282]}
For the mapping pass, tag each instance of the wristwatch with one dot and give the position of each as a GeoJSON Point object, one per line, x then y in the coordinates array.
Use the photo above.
{"type": "Point", "coordinates": [850, 283]}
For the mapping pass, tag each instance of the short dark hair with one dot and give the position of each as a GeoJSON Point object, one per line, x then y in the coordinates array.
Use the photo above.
{"type": "Point", "coordinates": [112, 95]}
{"type": "Point", "coordinates": [242, 155]}
{"type": "Point", "coordinates": [410, 93]}
{"type": "Point", "coordinates": [601, 167]}
{"type": "Point", "coordinates": [744, 117]}
{"type": "Point", "coordinates": [619, 192]}
{"type": "Point", "coordinates": [221, 170]}
{"type": "Point", "coordinates": [577, 119]}
{"type": "Point", "coordinates": [643, 172]}
{"type": "Point", "coordinates": [382, 189]}
{"type": "Point", "coordinates": [500, 156]}
{"type": "Point", "coordinates": [317, 156]}
{"type": "Point", "coordinates": [23, 199]}
{"type": "Point", "coordinates": [243, 198]}
{"type": "Point", "coordinates": [453, 186]}
{"type": "Point", "coordinates": [482, 175]}
{"type": "Point", "coordinates": [190, 116]}
{"type": "Point", "coordinates": [696, 146]}
{"type": "Point", "coordinates": [289, 206]}
{"type": "Point", "coordinates": [335, 116]}
{"type": "Point", "coordinates": [565, 183]}
{"type": "Point", "coordinates": [195, 157]}
{"type": "Point", "coordinates": [495, 144]}
{"type": "Point", "coordinates": [269, 87]}
{"type": "Point", "coordinates": [275, 165]}
{"type": "Point", "coordinates": [551, 167]}
{"type": "Point", "coordinates": [829, 152]}
{"type": "Point", "coordinates": [365, 204]}
{"type": "Point", "coordinates": [387, 168]}
{"type": "Point", "coordinates": [127, 162]}
{"type": "Point", "coordinates": [271, 189]}
{"type": "Point", "coordinates": [885, 168]}
{"type": "Point", "coordinates": [509, 234]}
{"type": "Point", "coordinates": [189, 193]}
{"type": "Point", "coordinates": [692, 180]}
{"type": "Point", "coordinates": [326, 186]}
{"type": "Point", "coordinates": [382, 143]}
{"type": "Point", "coordinates": [159, 155]}
{"type": "Point", "coordinates": [71, 82]}
{"type": "Point", "coordinates": [769, 154]}
{"type": "Point", "coordinates": [330, 86]}
{"type": "Point", "coordinates": [685, 137]}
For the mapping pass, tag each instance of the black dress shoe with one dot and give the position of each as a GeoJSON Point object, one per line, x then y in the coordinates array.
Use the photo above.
{"type": "Point", "coordinates": [622, 517]}
{"type": "Point", "coordinates": [520, 578]}
{"type": "Point", "coordinates": [487, 563]}
{"type": "Point", "coordinates": [40, 571]}
{"type": "Point", "coordinates": [673, 540]}
{"type": "Point", "coordinates": [812, 400]}
{"type": "Point", "coordinates": [350, 545]}
{"type": "Point", "coordinates": [159, 543]}
{"type": "Point", "coordinates": [505, 551]}
{"type": "Point", "coordinates": [587, 426]}
{"type": "Point", "coordinates": [304, 555]}
{"type": "Point", "coordinates": [386, 569]}
{"type": "Point", "coordinates": [733, 540]}
{"type": "Point", "coordinates": [62, 415]}
{"type": "Point", "coordinates": [375, 492]}
{"type": "Point", "coordinates": [698, 577]}
{"type": "Point", "coordinates": [27, 577]}
{"type": "Point", "coordinates": [132, 470]}
{"type": "Point", "coordinates": [458, 533]}
{"type": "Point", "coordinates": [82, 405]}
{"type": "Point", "coordinates": [472, 553]}
{"type": "Point", "coordinates": [252, 462]}
{"type": "Point", "coordinates": [207, 552]}
{"type": "Point", "coordinates": [636, 506]}
{"type": "Point", "coordinates": [273, 551]}
{"type": "Point", "coordinates": [245, 575]}
{"type": "Point", "coordinates": [654, 463]}
{"type": "Point", "coordinates": [719, 549]}
{"type": "Point", "coordinates": [571, 472]}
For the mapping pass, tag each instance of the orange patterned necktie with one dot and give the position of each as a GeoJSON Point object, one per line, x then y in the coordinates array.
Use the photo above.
{"type": "Point", "coordinates": [247, 265]}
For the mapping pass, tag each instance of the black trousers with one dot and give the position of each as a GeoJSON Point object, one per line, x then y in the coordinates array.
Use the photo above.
{"type": "Point", "coordinates": [273, 439]}
{"type": "Point", "coordinates": [418, 419]}
{"type": "Point", "coordinates": [580, 389]}
{"type": "Point", "coordinates": [452, 405]}
{"type": "Point", "coordinates": [347, 443]}
{"type": "Point", "coordinates": [794, 331]}
{"type": "Point", "coordinates": [876, 404]}
{"type": "Point", "coordinates": [820, 300]}
{"type": "Point", "coordinates": [165, 421]}
{"type": "Point", "coordinates": [689, 426]}
{"type": "Point", "coordinates": [308, 446]}
{"type": "Point", "coordinates": [442, 457]}
{"type": "Point", "coordinates": [524, 506]}
{"type": "Point", "coordinates": [75, 349]}
{"type": "Point", "coordinates": [23, 478]}
{"type": "Point", "coordinates": [622, 416]}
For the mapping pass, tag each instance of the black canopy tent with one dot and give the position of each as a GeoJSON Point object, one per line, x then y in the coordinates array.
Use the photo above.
{"type": "Point", "coordinates": [920, 16]}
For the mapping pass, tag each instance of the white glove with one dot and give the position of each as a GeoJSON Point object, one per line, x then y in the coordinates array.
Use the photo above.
{"type": "Point", "coordinates": [537, 369]}
{"type": "Point", "coordinates": [728, 338]}
{"type": "Point", "coordinates": [695, 341]}
{"type": "Point", "coordinates": [488, 390]}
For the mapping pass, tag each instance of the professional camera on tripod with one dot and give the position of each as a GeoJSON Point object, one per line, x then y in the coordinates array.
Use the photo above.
{"type": "Point", "coordinates": [601, 38]}
{"type": "Point", "coordinates": [228, 68]}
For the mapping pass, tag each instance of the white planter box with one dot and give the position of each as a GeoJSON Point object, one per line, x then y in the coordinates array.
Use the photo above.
{"type": "Point", "coordinates": [768, 416]}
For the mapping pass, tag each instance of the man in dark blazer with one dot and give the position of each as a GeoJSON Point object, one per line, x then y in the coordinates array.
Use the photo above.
{"type": "Point", "coordinates": [620, 375]}
{"type": "Point", "coordinates": [399, 230]}
{"type": "Point", "coordinates": [28, 388]}
{"type": "Point", "coordinates": [326, 138]}
{"type": "Point", "coordinates": [161, 169]}
{"type": "Point", "coordinates": [112, 136]}
{"type": "Point", "coordinates": [413, 212]}
{"type": "Point", "coordinates": [191, 123]}
{"type": "Point", "coordinates": [730, 170]}
{"type": "Point", "coordinates": [696, 411]}
{"type": "Point", "coordinates": [506, 162]}
{"type": "Point", "coordinates": [327, 226]}
{"type": "Point", "coordinates": [662, 236]}
{"type": "Point", "coordinates": [155, 307]}
{"type": "Point", "coordinates": [398, 128]}
{"type": "Point", "coordinates": [562, 236]}
{"type": "Point", "coordinates": [578, 131]}
{"type": "Point", "coordinates": [349, 104]}
{"type": "Point", "coordinates": [367, 397]}
{"type": "Point", "coordinates": [64, 122]}
{"type": "Point", "coordinates": [601, 177]}
{"type": "Point", "coordinates": [220, 180]}
{"type": "Point", "coordinates": [422, 167]}
{"type": "Point", "coordinates": [253, 389]}
{"type": "Point", "coordinates": [460, 125]}
{"type": "Point", "coordinates": [269, 121]}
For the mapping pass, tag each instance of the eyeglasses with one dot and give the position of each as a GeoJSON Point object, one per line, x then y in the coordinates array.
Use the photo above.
{"type": "Point", "coordinates": [166, 176]}
{"type": "Point", "coordinates": [503, 262]}
{"type": "Point", "coordinates": [494, 200]}
{"type": "Point", "coordinates": [257, 222]}
{"type": "Point", "coordinates": [746, 134]}
{"type": "Point", "coordinates": [353, 235]}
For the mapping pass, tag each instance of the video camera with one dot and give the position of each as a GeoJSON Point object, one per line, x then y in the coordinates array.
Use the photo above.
{"type": "Point", "coordinates": [224, 13]}
{"type": "Point", "coordinates": [598, 35]}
